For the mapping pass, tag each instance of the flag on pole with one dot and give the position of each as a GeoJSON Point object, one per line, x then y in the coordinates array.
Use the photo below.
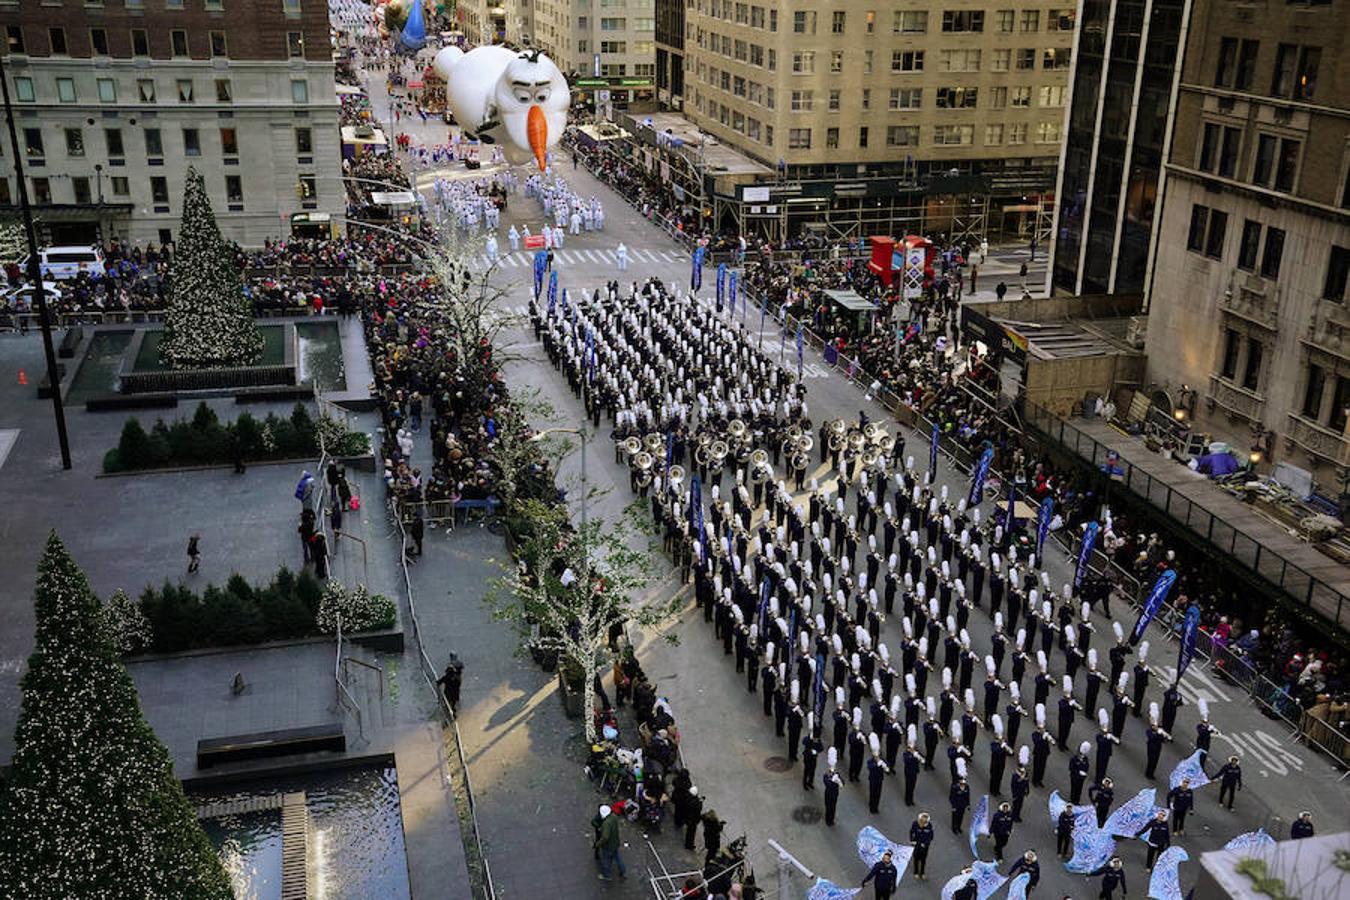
{"type": "Point", "coordinates": [553, 292]}
{"type": "Point", "coordinates": [721, 285]}
{"type": "Point", "coordinates": [731, 290]}
{"type": "Point", "coordinates": [979, 824]}
{"type": "Point", "coordinates": [539, 262]}
{"type": "Point", "coordinates": [696, 276]}
{"type": "Point", "coordinates": [1190, 630]}
{"type": "Point", "coordinates": [1161, 588]}
{"type": "Point", "coordinates": [1085, 553]}
{"type": "Point", "coordinates": [1043, 523]}
{"type": "Point", "coordinates": [981, 472]}
{"type": "Point", "coordinates": [933, 454]}
{"type": "Point", "coordinates": [800, 353]}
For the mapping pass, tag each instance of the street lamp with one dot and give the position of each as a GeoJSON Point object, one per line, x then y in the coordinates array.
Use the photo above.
{"type": "Point", "coordinates": [581, 434]}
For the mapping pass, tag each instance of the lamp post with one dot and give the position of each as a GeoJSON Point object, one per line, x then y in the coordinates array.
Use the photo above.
{"type": "Point", "coordinates": [581, 434]}
{"type": "Point", "coordinates": [35, 274]}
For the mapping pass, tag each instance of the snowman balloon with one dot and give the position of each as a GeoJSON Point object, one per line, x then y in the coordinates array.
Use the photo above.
{"type": "Point", "coordinates": [499, 96]}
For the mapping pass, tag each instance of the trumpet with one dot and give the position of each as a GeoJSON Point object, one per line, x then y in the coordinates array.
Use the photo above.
{"type": "Point", "coordinates": [642, 461]}
{"type": "Point", "coordinates": [676, 476]}
{"type": "Point", "coordinates": [632, 445]}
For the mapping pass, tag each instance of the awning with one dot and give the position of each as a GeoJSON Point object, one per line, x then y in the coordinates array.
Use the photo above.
{"type": "Point", "coordinates": [852, 301]}
{"type": "Point", "coordinates": [393, 198]}
{"type": "Point", "coordinates": [376, 137]}
{"type": "Point", "coordinates": [348, 90]}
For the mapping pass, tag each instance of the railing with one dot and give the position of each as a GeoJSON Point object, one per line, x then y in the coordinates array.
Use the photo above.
{"type": "Point", "coordinates": [1299, 585]}
{"type": "Point", "coordinates": [475, 850]}
{"type": "Point", "coordinates": [10, 319]}
{"type": "Point", "coordinates": [345, 700]}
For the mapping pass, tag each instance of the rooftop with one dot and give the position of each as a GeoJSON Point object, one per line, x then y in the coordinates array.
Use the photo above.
{"type": "Point", "coordinates": [719, 158]}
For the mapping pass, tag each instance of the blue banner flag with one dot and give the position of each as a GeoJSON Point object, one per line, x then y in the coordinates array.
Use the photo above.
{"type": "Point", "coordinates": [763, 607]}
{"type": "Point", "coordinates": [1085, 553]}
{"type": "Point", "coordinates": [1189, 768]}
{"type": "Point", "coordinates": [1190, 630]}
{"type": "Point", "coordinates": [590, 354]}
{"type": "Point", "coordinates": [820, 685]}
{"type": "Point", "coordinates": [1043, 523]}
{"type": "Point", "coordinates": [553, 292]}
{"type": "Point", "coordinates": [721, 285]}
{"type": "Point", "coordinates": [670, 450]}
{"type": "Point", "coordinates": [731, 291]}
{"type": "Point", "coordinates": [933, 453]}
{"type": "Point", "coordinates": [872, 845]}
{"type": "Point", "coordinates": [1161, 588]}
{"type": "Point", "coordinates": [1165, 882]}
{"type": "Point", "coordinates": [981, 473]}
{"type": "Point", "coordinates": [763, 313]}
{"type": "Point", "coordinates": [1012, 506]}
{"type": "Point", "coordinates": [979, 824]}
{"type": "Point", "coordinates": [696, 275]}
{"type": "Point", "coordinates": [540, 261]}
{"type": "Point", "coordinates": [800, 353]}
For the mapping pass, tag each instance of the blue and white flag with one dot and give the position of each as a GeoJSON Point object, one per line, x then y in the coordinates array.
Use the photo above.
{"type": "Point", "coordinates": [1161, 588]}
{"type": "Point", "coordinates": [1191, 768]}
{"type": "Point", "coordinates": [1252, 840]}
{"type": "Point", "coordinates": [1165, 882]}
{"type": "Point", "coordinates": [553, 291]}
{"type": "Point", "coordinates": [590, 354]}
{"type": "Point", "coordinates": [1132, 815]}
{"type": "Point", "coordinates": [824, 889]}
{"type": "Point", "coordinates": [763, 604]}
{"type": "Point", "coordinates": [872, 845]}
{"type": "Point", "coordinates": [1012, 506]}
{"type": "Point", "coordinates": [981, 473]}
{"type": "Point", "coordinates": [540, 260]}
{"type": "Point", "coordinates": [1085, 553]}
{"type": "Point", "coordinates": [987, 881]}
{"type": "Point", "coordinates": [721, 285]}
{"type": "Point", "coordinates": [979, 824]}
{"type": "Point", "coordinates": [820, 685]}
{"type": "Point", "coordinates": [1092, 848]}
{"type": "Point", "coordinates": [731, 292]}
{"type": "Point", "coordinates": [1047, 512]}
{"type": "Point", "coordinates": [1086, 814]}
{"type": "Point", "coordinates": [1018, 889]}
{"type": "Point", "coordinates": [1190, 630]}
{"type": "Point", "coordinates": [800, 353]}
{"type": "Point", "coordinates": [933, 453]}
{"type": "Point", "coordinates": [696, 275]}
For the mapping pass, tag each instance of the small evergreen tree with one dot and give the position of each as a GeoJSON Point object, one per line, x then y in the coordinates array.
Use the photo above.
{"type": "Point", "coordinates": [209, 321]}
{"type": "Point", "coordinates": [91, 807]}
{"type": "Point", "coordinates": [127, 626]}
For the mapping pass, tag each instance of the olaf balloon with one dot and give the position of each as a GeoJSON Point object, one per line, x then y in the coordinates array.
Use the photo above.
{"type": "Point", "coordinates": [499, 96]}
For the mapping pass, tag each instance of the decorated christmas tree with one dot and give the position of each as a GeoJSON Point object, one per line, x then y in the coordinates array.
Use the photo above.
{"type": "Point", "coordinates": [91, 807]}
{"type": "Point", "coordinates": [209, 321]}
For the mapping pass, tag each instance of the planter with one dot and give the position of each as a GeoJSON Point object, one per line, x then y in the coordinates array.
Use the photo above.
{"type": "Point", "coordinates": [572, 698]}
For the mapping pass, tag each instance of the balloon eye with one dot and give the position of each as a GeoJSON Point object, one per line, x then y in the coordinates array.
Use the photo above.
{"type": "Point", "coordinates": [523, 96]}
{"type": "Point", "coordinates": [541, 96]}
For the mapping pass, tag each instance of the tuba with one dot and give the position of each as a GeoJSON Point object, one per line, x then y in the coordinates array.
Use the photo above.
{"type": "Point", "coordinates": [872, 432]}
{"type": "Point", "coordinates": [632, 445]}
{"type": "Point", "coordinates": [760, 458]}
{"type": "Point", "coordinates": [836, 442]}
{"type": "Point", "coordinates": [718, 452]}
{"type": "Point", "coordinates": [806, 444]}
{"type": "Point", "coordinates": [794, 433]}
{"type": "Point", "coordinates": [801, 461]}
{"type": "Point", "coordinates": [855, 441]}
{"type": "Point", "coordinates": [870, 458]}
{"type": "Point", "coordinates": [736, 429]}
{"type": "Point", "coordinates": [642, 461]}
{"type": "Point", "coordinates": [701, 456]}
{"type": "Point", "coordinates": [676, 476]}
{"type": "Point", "coordinates": [760, 473]}
{"type": "Point", "coordinates": [837, 426]}
{"type": "Point", "coordinates": [886, 444]}
{"type": "Point", "coordinates": [654, 442]}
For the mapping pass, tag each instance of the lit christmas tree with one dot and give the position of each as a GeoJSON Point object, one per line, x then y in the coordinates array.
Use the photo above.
{"type": "Point", "coordinates": [91, 808]}
{"type": "Point", "coordinates": [209, 321]}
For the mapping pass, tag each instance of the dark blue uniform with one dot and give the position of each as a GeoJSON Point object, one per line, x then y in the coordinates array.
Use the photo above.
{"type": "Point", "coordinates": [883, 875]}
{"type": "Point", "coordinates": [921, 836]}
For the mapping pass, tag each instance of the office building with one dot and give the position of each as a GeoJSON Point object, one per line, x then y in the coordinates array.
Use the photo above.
{"type": "Point", "coordinates": [1125, 67]}
{"type": "Point", "coordinates": [1248, 328]}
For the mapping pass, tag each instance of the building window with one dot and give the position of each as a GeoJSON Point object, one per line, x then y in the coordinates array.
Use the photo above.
{"type": "Point", "coordinates": [1002, 60]}
{"type": "Point", "coordinates": [871, 21]}
{"type": "Point", "coordinates": [960, 61]}
{"type": "Point", "coordinates": [1228, 152]}
{"type": "Point", "coordinates": [867, 98]}
{"type": "Point", "coordinates": [614, 24]}
{"type": "Point", "coordinates": [756, 17]}
{"type": "Point", "coordinates": [1195, 235]}
{"type": "Point", "coordinates": [112, 139]}
{"type": "Point", "coordinates": [1218, 226]}
{"type": "Point", "coordinates": [218, 44]}
{"type": "Point", "coordinates": [1295, 71]}
{"type": "Point", "coordinates": [178, 40]}
{"type": "Point", "coordinates": [215, 5]}
{"type": "Point", "coordinates": [291, 7]}
{"type": "Point", "coordinates": [834, 100]}
{"type": "Point", "coordinates": [962, 20]}
{"type": "Point", "coordinates": [32, 141]}
{"type": "Point", "coordinates": [862, 138]}
{"type": "Point", "coordinates": [953, 135]}
{"type": "Point", "coordinates": [804, 22]}
{"type": "Point", "coordinates": [23, 89]}
{"type": "Point", "coordinates": [902, 135]}
{"type": "Point", "coordinates": [1263, 167]}
{"type": "Point", "coordinates": [304, 141]}
{"type": "Point", "coordinates": [836, 61]}
{"type": "Point", "coordinates": [14, 41]}
{"type": "Point", "coordinates": [192, 142]}
{"type": "Point", "coordinates": [65, 90]}
{"type": "Point", "coordinates": [154, 143]}
{"type": "Point", "coordinates": [1005, 18]}
{"type": "Point", "coordinates": [56, 37]}
{"type": "Point", "coordinates": [1052, 96]}
{"type": "Point", "coordinates": [957, 98]}
{"type": "Point", "coordinates": [910, 22]}
{"type": "Point", "coordinates": [1060, 19]}
{"type": "Point", "coordinates": [1209, 146]}
{"type": "Point", "coordinates": [1312, 392]}
{"type": "Point", "coordinates": [1246, 67]}
{"type": "Point", "coordinates": [1031, 20]}
{"type": "Point", "coordinates": [1286, 170]}
{"type": "Point", "coordinates": [1017, 134]}
{"type": "Point", "coordinates": [80, 184]}
{"type": "Point", "coordinates": [773, 26]}
{"type": "Point", "coordinates": [1250, 246]}
{"type": "Point", "coordinates": [98, 41]}
{"type": "Point", "coordinates": [185, 90]}
{"type": "Point", "coordinates": [1055, 58]}
{"type": "Point", "coordinates": [1339, 404]}
{"type": "Point", "coordinates": [803, 62]}
{"type": "Point", "coordinates": [107, 90]}
{"type": "Point", "coordinates": [1251, 372]}
{"type": "Point", "coordinates": [1021, 97]}
{"type": "Point", "coordinates": [868, 57]}
{"type": "Point", "coordinates": [837, 22]}
{"type": "Point", "coordinates": [1226, 67]}
{"type": "Point", "coordinates": [308, 188]}
{"type": "Point", "coordinates": [140, 42]}
{"type": "Point", "coordinates": [993, 135]}
{"type": "Point", "coordinates": [907, 61]}
{"type": "Point", "coordinates": [224, 93]}
{"type": "Point", "coordinates": [145, 89]}
{"type": "Point", "coordinates": [234, 189]}
{"type": "Point", "coordinates": [801, 101]}
{"type": "Point", "coordinates": [42, 191]}
{"type": "Point", "coordinates": [799, 138]}
{"type": "Point", "coordinates": [832, 138]}
{"type": "Point", "coordinates": [159, 189]}
{"type": "Point", "coordinates": [300, 91]}
{"type": "Point", "coordinates": [1232, 343]}
{"type": "Point", "coordinates": [1026, 59]}
{"type": "Point", "coordinates": [1047, 132]}
{"type": "Point", "coordinates": [1338, 266]}
{"type": "Point", "coordinates": [295, 44]}
{"type": "Point", "coordinates": [909, 98]}
{"type": "Point", "coordinates": [121, 186]}
{"type": "Point", "coordinates": [1270, 260]}
{"type": "Point", "coordinates": [74, 142]}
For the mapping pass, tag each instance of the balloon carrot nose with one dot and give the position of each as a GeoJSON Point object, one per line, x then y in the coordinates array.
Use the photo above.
{"type": "Point", "coordinates": [536, 128]}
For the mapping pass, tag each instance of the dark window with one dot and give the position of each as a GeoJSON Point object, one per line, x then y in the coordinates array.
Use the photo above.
{"type": "Point", "coordinates": [229, 142]}
{"type": "Point", "coordinates": [1337, 269]}
{"type": "Point", "coordinates": [1339, 404]}
{"type": "Point", "coordinates": [154, 144]}
{"type": "Point", "coordinates": [98, 40]}
{"type": "Point", "coordinates": [1270, 260]}
{"type": "Point", "coordinates": [42, 191]}
{"type": "Point", "coordinates": [74, 142]}
{"type": "Point", "coordinates": [308, 187]}
{"type": "Point", "coordinates": [1228, 156]}
{"type": "Point", "coordinates": [1232, 342]}
{"type": "Point", "coordinates": [1251, 373]}
{"type": "Point", "coordinates": [862, 137]}
{"type": "Point", "coordinates": [57, 37]}
{"type": "Point", "coordinates": [304, 141]}
{"type": "Point", "coordinates": [295, 43]}
{"type": "Point", "coordinates": [80, 183]}
{"type": "Point", "coordinates": [1312, 392]}
{"type": "Point", "coordinates": [1287, 167]}
{"type": "Point", "coordinates": [159, 189]}
{"type": "Point", "coordinates": [1251, 245]}
{"type": "Point", "coordinates": [113, 138]}
{"type": "Point", "coordinates": [1264, 166]}
{"type": "Point", "coordinates": [1218, 224]}
{"type": "Point", "coordinates": [32, 141]}
{"type": "Point", "coordinates": [1282, 81]}
{"type": "Point", "coordinates": [1209, 146]}
{"type": "Point", "coordinates": [192, 142]}
{"type": "Point", "coordinates": [140, 42]}
{"type": "Point", "coordinates": [178, 38]}
{"type": "Point", "coordinates": [1246, 67]}
{"type": "Point", "coordinates": [1227, 65]}
{"type": "Point", "coordinates": [224, 94]}
{"type": "Point", "coordinates": [1195, 237]}
{"type": "Point", "coordinates": [218, 44]}
{"type": "Point", "coordinates": [234, 189]}
{"type": "Point", "coordinates": [1305, 79]}
{"type": "Point", "coordinates": [14, 39]}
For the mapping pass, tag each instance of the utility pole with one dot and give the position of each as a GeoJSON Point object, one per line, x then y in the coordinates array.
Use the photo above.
{"type": "Point", "coordinates": [35, 275]}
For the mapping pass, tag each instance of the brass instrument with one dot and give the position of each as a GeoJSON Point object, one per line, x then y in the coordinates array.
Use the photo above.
{"type": "Point", "coordinates": [642, 461]}
{"type": "Point", "coordinates": [855, 441]}
{"type": "Point", "coordinates": [644, 478]}
{"type": "Point", "coordinates": [736, 429]}
{"type": "Point", "coordinates": [704, 439]}
{"type": "Point", "coordinates": [794, 433]}
{"type": "Point", "coordinates": [886, 444]}
{"type": "Point", "coordinates": [760, 458]}
{"type": "Point", "coordinates": [836, 442]}
{"type": "Point", "coordinates": [632, 445]}
{"type": "Point", "coordinates": [760, 474]}
{"type": "Point", "coordinates": [701, 456]}
{"type": "Point", "coordinates": [870, 458]}
{"type": "Point", "coordinates": [801, 461]}
{"type": "Point", "coordinates": [806, 444]}
{"type": "Point", "coordinates": [837, 426]}
{"type": "Point", "coordinates": [676, 476]}
{"type": "Point", "coordinates": [872, 432]}
{"type": "Point", "coordinates": [718, 451]}
{"type": "Point", "coordinates": [654, 442]}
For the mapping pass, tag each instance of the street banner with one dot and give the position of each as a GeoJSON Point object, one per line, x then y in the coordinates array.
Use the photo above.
{"type": "Point", "coordinates": [1190, 630]}
{"type": "Point", "coordinates": [1043, 523]}
{"type": "Point", "coordinates": [933, 454]}
{"type": "Point", "coordinates": [981, 473]}
{"type": "Point", "coordinates": [539, 263]}
{"type": "Point", "coordinates": [1161, 588]}
{"type": "Point", "coordinates": [1085, 553]}
{"type": "Point", "coordinates": [721, 286]}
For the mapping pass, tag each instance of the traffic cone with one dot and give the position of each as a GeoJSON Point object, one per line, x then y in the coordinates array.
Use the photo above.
{"type": "Point", "coordinates": [23, 377]}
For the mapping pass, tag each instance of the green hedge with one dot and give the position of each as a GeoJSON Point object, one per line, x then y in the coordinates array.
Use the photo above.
{"type": "Point", "coordinates": [205, 440]}
{"type": "Point", "coordinates": [240, 613]}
